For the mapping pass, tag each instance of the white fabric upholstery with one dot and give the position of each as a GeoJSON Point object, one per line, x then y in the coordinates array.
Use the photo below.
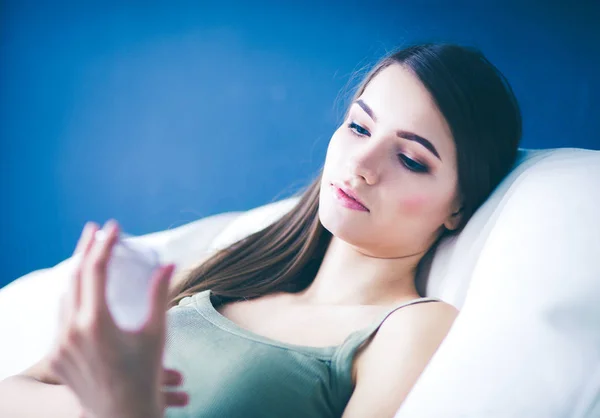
{"type": "Point", "coordinates": [455, 259]}
{"type": "Point", "coordinates": [525, 273]}
{"type": "Point", "coordinates": [252, 221]}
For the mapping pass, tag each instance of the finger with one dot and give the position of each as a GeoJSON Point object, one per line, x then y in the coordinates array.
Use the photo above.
{"type": "Point", "coordinates": [176, 398]}
{"type": "Point", "coordinates": [58, 369]}
{"type": "Point", "coordinates": [96, 268]}
{"type": "Point", "coordinates": [64, 308]}
{"type": "Point", "coordinates": [84, 247]}
{"type": "Point", "coordinates": [172, 377]}
{"type": "Point", "coordinates": [61, 362]}
{"type": "Point", "coordinates": [64, 318]}
{"type": "Point", "coordinates": [87, 235]}
{"type": "Point", "coordinates": [159, 298]}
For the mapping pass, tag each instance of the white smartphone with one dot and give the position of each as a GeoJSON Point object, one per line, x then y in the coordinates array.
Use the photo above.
{"type": "Point", "coordinates": [130, 270]}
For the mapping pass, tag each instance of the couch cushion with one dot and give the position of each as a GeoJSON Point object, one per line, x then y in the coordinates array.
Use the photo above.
{"type": "Point", "coordinates": [527, 340]}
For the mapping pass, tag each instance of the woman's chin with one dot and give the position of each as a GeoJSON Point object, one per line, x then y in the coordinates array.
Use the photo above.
{"type": "Point", "coordinates": [345, 228]}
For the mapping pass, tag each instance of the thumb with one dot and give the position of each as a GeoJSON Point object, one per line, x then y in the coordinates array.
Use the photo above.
{"type": "Point", "coordinates": [159, 296]}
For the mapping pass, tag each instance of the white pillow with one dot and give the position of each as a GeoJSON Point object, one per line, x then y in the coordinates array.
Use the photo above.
{"type": "Point", "coordinates": [527, 340]}
{"type": "Point", "coordinates": [452, 266]}
{"type": "Point", "coordinates": [252, 221]}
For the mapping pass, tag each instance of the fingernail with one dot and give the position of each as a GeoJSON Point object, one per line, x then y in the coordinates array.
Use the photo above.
{"type": "Point", "coordinates": [169, 270]}
{"type": "Point", "coordinates": [111, 226]}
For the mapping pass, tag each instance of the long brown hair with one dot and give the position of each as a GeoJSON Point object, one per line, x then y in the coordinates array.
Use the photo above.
{"type": "Point", "coordinates": [484, 117]}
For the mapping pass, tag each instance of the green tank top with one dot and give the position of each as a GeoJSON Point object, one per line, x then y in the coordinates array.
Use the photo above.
{"type": "Point", "coordinates": [230, 372]}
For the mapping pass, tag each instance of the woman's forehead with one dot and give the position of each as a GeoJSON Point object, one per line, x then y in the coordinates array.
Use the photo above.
{"type": "Point", "coordinates": [399, 100]}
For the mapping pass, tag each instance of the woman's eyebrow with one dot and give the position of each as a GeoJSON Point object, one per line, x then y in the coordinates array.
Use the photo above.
{"type": "Point", "coordinates": [414, 137]}
{"type": "Point", "coordinates": [400, 133]}
{"type": "Point", "coordinates": [367, 109]}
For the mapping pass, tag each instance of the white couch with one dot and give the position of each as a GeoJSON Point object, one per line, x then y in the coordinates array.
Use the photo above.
{"type": "Point", "coordinates": [525, 273]}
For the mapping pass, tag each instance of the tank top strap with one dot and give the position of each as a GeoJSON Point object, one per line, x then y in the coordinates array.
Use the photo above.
{"type": "Point", "coordinates": [343, 358]}
{"type": "Point", "coordinates": [354, 342]}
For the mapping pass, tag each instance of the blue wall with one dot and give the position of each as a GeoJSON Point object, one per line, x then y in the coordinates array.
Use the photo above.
{"type": "Point", "coordinates": [158, 115]}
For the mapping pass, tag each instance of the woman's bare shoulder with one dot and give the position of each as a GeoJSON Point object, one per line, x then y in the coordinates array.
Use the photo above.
{"type": "Point", "coordinates": [400, 351]}
{"type": "Point", "coordinates": [411, 326]}
{"type": "Point", "coordinates": [412, 318]}
{"type": "Point", "coordinates": [409, 336]}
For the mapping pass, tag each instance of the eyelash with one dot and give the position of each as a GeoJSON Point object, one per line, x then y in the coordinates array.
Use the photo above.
{"type": "Point", "coordinates": [419, 168]}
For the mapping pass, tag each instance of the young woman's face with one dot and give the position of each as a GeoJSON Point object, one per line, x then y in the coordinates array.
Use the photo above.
{"type": "Point", "coordinates": [396, 154]}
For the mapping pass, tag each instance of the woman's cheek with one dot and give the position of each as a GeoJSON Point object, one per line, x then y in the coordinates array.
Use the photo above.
{"type": "Point", "coordinates": [414, 205]}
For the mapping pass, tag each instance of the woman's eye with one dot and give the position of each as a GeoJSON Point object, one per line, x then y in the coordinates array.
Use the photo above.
{"type": "Point", "coordinates": [412, 165]}
{"type": "Point", "coordinates": [358, 130]}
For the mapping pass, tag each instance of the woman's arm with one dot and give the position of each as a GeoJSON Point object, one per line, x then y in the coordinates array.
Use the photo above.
{"type": "Point", "coordinates": [37, 392]}
{"type": "Point", "coordinates": [22, 396]}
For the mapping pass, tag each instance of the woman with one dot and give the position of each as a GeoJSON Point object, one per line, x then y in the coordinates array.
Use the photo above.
{"type": "Point", "coordinates": [320, 313]}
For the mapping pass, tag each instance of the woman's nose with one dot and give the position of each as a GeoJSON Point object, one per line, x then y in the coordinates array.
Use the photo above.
{"type": "Point", "coordinates": [366, 163]}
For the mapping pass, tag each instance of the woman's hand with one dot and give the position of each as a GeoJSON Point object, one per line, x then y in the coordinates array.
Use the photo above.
{"type": "Point", "coordinates": [114, 373]}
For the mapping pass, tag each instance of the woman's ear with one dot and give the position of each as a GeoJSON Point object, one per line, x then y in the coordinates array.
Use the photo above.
{"type": "Point", "coordinates": [454, 220]}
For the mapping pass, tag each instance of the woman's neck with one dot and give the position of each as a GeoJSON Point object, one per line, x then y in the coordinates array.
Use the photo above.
{"type": "Point", "coordinates": [348, 277]}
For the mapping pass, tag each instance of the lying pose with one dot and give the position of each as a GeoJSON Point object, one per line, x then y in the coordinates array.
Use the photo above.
{"type": "Point", "coordinates": [322, 313]}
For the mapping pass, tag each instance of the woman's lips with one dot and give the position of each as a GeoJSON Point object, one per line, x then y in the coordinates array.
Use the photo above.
{"type": "Point", "coordinates": [347, 201]}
